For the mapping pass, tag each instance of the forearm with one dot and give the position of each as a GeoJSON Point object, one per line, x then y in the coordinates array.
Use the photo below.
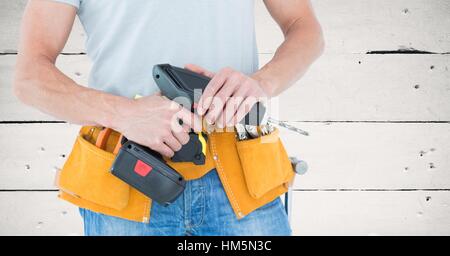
{"type": "Point", "coordinates": [302, 45]}
{"type": "Point", "coordinates": [40, 84]}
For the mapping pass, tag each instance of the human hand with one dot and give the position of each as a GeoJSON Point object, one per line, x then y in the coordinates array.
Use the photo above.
{"type": "Point", "coordinates": [228, 97]}
{"type": "Point", "coordinates": [154, 121]}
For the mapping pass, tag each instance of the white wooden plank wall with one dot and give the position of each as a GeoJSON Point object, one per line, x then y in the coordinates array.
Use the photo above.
{"type": "Point", "coordinates": [377, 106]}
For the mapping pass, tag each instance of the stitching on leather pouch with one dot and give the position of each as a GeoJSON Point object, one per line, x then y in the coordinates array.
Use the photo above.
{"type": "Point", "coordinates": [146, 209]}
{"type": "Point", "coordinates": [219, 166]}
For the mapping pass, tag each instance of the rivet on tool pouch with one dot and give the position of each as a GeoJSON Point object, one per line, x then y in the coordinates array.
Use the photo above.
{"type": "Point", "coordinates": [145, 169]}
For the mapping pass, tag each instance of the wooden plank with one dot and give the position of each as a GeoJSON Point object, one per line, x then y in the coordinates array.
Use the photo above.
{"type": "Point", "coordinates": [371, 213]}
{"type": "Point", "coordinates": [31, 154]}
{"type": "Point", "coordinates": [337, 87]}
{"type": "Point", "coordinates": [38, 213]}
{"type": "Point", "coordinates": [359, 26]}
{"type": "Point", "coordinates": [350, 26]}
{"type": "Point", "coordinates": [372, 155]}
{"type": "Point", "coordinates": [340, 155]}
{"type": "Point", "coordinates": [314, 213]}
{"type": "Point", "coordinates": [10, 18]}
{"type": "Point", "coordinates": [369, 88]}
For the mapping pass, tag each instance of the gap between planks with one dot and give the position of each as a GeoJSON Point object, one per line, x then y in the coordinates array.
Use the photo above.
{"type": "Point", "coordinates": [383, 52]}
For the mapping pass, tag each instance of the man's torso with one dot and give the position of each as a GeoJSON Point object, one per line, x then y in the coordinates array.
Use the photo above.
{"type": "Point", "coordinates": [126, 38]}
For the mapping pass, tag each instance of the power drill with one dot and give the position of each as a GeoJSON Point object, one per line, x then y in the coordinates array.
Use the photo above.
{"type": "Point", "coordinates": [145, 169]}
{"type": "Point", "coordinates": [184, 87]}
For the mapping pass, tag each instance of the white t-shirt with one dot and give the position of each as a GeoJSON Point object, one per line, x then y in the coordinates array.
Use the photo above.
{"type": "Point", "coordinates": [125, 38]}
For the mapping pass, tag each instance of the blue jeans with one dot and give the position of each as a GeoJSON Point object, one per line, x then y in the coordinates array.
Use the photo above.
{"type": "Point", "coordinates": [202, 209]}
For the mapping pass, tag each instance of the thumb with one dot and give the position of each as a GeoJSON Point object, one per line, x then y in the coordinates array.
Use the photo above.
{"type": "Point", "coordinates": [200, 70]}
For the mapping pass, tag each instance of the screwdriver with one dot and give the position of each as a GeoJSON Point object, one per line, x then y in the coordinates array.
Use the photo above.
{"type": "Point", "coordinates": [288, 126]}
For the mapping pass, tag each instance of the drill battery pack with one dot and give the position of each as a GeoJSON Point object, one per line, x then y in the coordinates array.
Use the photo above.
{"type": "Point", "coordinates": [146, 171]}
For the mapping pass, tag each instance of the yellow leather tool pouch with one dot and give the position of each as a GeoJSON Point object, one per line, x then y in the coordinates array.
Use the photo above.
{"type": "Point", "coordinates": [265, 163]}
{"type": "Point", "coordinates": [86, 173]}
